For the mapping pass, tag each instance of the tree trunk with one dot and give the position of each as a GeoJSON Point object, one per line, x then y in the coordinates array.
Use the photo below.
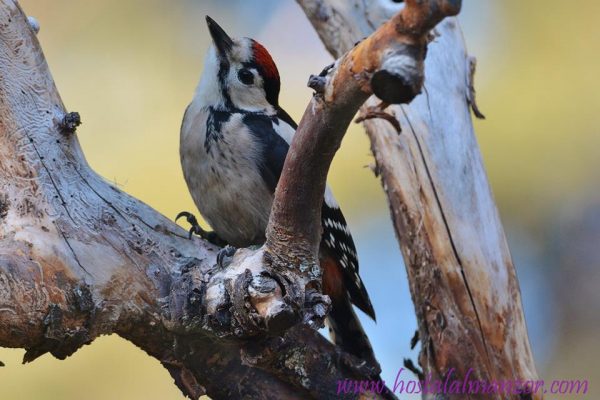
{"type": "Point", "coordinates": [462, 279]}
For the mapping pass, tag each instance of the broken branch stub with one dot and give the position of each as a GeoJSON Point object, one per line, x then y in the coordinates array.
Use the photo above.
{"type": "Point", "coordinates": [397, 53]}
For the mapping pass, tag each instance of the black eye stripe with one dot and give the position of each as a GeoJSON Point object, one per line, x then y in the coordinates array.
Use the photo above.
{"type": "Point", "coordinates": [246, 76]}
{"type": "Point", "coordinates": [271, 86]}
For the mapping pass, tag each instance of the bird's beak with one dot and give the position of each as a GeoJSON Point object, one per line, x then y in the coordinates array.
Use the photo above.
{"type": "Point", "coordinates": [221, 39]}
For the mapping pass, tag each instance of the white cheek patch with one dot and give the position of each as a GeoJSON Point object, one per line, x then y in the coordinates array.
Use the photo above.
{"type": "Point", "coordinates": [247, 97]}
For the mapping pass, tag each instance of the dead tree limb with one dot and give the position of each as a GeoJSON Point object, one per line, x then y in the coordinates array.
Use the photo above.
{"type": "Point", "coordinates": [79, 258]}
{"type": "Point", "coordinates": [461, 275]}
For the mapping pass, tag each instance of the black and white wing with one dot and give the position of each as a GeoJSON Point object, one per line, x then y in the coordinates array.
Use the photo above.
{"type": "Point", "coordinates": [337, 239]}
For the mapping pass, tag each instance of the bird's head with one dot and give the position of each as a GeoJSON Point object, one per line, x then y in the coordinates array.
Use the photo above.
{"type": "Point", "coordinates": [238, 73]}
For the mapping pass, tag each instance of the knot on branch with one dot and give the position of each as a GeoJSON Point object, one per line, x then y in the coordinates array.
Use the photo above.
{"type": "Point", "coordinates": [251, 296]}
{"type": "Point", "coordinates": [70, 122]}
{"type": "Point", "coordinates": [65, 329]}
{"type": "Point", "coordinates": [319, 82]}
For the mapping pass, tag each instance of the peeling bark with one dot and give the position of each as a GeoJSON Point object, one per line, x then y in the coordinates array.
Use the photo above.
{"type": "Point", "coordinates": [462, 279]}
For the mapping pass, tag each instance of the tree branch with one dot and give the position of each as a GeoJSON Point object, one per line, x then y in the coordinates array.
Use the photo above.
{"type": "Point", "coordinates": [462, 279]}
{"type": "Point", "coordinates": [79, 258]}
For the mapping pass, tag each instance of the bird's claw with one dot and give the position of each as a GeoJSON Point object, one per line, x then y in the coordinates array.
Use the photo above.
{"type": "Point", "coordinates": [224, 256]}
{"type": "Point", "coordinates": [191, 219]}
{"type": "Point", "coordinates": [196, 229]}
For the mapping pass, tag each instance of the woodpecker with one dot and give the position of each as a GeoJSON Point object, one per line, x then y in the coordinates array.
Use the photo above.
{"type": "Point", "coordinates": [233, 143]}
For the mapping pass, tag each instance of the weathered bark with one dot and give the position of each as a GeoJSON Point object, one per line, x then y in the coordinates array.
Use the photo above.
{"type": "Point", "coordinates": [79, 258]}
{"type": "Point", "coordinates": [461, 275]}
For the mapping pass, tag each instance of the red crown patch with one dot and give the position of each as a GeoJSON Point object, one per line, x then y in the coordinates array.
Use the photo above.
{"type": "Point", "coordinates": [263, 59]}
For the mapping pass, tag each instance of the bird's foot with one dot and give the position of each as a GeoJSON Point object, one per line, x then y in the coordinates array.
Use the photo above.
{"type": "Point", "coordinates": [196, 229]}
{"type": "Point", "coordinates": [225, 255]}
{"type": "Point", "coordinates": [195, 226]}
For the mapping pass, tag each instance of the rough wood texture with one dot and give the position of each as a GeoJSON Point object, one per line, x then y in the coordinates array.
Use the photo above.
{"type": "Point", "coordinates": [462, 278]}
{"type": "Point", "coordinates": [79, 258]}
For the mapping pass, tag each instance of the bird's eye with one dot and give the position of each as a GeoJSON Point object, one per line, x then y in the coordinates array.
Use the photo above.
{"type": "Point", "coordinates": [246, 76]}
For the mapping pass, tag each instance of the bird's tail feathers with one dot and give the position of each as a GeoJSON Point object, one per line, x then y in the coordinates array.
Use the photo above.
{"type": "Point", "coordinates": [347, 332]}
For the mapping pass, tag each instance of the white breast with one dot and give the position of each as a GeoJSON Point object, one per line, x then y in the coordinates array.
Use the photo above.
{"type": "Point", "coordinates": [224, 181]}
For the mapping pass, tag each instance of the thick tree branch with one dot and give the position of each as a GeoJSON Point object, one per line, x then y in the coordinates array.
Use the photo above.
{"type": "Point", "coordinates": [79, 258]}
{"type": "Point", "coordinates": [461, 275]}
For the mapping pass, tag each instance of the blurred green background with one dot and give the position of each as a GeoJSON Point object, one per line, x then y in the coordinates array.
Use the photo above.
{"type": "Point", "coordinates": [130, 68]}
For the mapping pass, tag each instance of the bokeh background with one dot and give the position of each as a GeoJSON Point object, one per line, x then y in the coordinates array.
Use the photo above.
{"type": "Point", "coordinates": [130, 68]}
